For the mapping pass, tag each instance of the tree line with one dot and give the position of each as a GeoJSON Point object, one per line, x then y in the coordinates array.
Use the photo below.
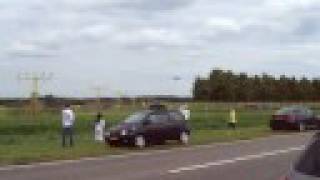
{"type": "Point", "coordinates": [226, 86]}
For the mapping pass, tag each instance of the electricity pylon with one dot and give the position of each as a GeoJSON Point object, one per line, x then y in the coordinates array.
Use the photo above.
{"type": "Point", "coordinates": [35, 79]}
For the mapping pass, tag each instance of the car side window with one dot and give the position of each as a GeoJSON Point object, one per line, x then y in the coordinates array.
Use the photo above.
{"type": "Point", "coordinates": [297, 112]}
{"type": "Point", "coordinates": [309, 113]}
{"type": "Point", "coordinates": [158, 118]}
{"type": "Point", "coordinates": [300, 112]}
{"type": "Point", "coordinates": [175, 116]}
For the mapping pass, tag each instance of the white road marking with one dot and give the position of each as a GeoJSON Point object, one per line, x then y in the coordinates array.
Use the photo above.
{"type": "Point", "coordinates": [235, 160]}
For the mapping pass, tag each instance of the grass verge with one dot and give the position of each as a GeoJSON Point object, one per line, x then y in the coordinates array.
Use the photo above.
{"type": "Point", "coordinates": [35, 148]}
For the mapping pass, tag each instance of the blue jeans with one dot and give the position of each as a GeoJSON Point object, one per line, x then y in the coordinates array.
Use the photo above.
{"type": "Point", "coordinates": [67, 133]}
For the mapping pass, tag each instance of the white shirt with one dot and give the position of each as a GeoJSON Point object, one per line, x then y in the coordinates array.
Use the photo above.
{"type": "Point", "coordinates": [185, 112]}
{"type": "Point", "coordinates": [68, 118]}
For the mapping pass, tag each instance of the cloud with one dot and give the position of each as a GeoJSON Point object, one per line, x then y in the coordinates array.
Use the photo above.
{"type": "Point", "coordinates": [139, 6]}
{"type": "Point", "coordinates": [31, 50]}
{"type": "Point", "coordinates": [96, 31]}
{"type": "Point", "coordinates": [152, 5]}
{"type": "Point", "coordinates": [223, 24]}
{"type": "Point", "coordinates": [194, 35]}
{"type": "Point", "coordinates": [150, 38]}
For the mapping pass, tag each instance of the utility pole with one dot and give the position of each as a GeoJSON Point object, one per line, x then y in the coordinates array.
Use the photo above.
{"type": "Point", "coordinates": [120, 94]}
{"type": "Point", "coordinates": [35, 79]}
{"type": "Point", "coordinates": [98, 91]}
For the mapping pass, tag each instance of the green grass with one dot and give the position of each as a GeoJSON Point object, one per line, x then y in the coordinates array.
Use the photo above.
{"type": "Point", "coordinates": [200, 137]}
{"type": "Point", "coordinates": [30, 148]}
{"type": "Point", "coordinates": [34, 148]}
{"type": "Point", "coordinates": [24, 139]}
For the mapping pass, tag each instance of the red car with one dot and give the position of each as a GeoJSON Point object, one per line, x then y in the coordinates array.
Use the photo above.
{"type": "Point", "coordinates": [294, 117]}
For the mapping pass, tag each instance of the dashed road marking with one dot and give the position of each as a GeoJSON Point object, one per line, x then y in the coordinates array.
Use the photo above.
{"type": "Point", "coordinates": [234, 160]}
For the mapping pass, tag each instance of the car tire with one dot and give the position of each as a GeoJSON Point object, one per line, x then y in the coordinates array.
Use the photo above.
{"type": "Point", "coordinates": [113, 144]}
{"type": "Point", "coordinates": [184, 138]}
{"type": "Point", "coordinates": [161, 142]}
{"type": "Point", "coordinates": [302, 127]}
{"type": "Point", "coordinates": [140, 141]}
{"type": "Point", "coordinates": [274, 128]}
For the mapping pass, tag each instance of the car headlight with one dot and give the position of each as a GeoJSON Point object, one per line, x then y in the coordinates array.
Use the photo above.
{"type": "Point", "coordinates": [123, 132]}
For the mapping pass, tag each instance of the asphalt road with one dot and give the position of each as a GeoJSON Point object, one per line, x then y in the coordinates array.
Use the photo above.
{"type": "Point", "coordinates": [260, 159]}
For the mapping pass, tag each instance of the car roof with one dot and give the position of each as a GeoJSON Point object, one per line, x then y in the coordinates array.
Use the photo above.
{"type": "Point", "coordinates": [295, 107]}
{"type": "Point", "coordinates": [163, 110]}
{"type": "Point", "coordinates": [157, 107]}
{"type": "Point", "coordinates": [292, 109]}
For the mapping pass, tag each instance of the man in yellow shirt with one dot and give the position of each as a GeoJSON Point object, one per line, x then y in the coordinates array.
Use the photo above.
{"type": "Point", "coordinates": [232, 119]}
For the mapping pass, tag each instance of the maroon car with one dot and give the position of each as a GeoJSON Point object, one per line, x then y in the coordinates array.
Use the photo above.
{"type": "Point", "coordinates": [294, 117]}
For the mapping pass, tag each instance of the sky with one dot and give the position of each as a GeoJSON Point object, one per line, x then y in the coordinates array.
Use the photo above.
{"type": "Point", "coordinates": [137, 47]}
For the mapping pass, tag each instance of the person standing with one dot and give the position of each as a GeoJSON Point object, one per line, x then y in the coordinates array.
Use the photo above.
{"type": "Point", "coordinates": [185, 111]}
{"type": "Point", "coordinates": [99, 127]}
{"type": "Point", "coordinates": [232, 119]}
{"type": "Point", "coordinates": [68, 119]}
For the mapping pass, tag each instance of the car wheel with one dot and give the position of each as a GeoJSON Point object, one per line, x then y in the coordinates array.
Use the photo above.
{"type": "Point", "coordinates": [113, 144]}
{"type": "Point", "coordinates": [161, 142]}
{"type": "Point", "coordinates": [140, 141]}
{"type": "Point", "coordinates": [184, 138]}
{"type": "Point", "coordinates": [302, 127]}
{"type": "Point", "coordinates": [274, 128]}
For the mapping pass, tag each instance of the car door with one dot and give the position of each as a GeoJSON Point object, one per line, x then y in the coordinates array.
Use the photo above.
{"type": "Point", "coordinates": [157, 125]}
{"type": "Point", "coordinates": [309, 118]}
{"type": "Point", "coordinates": [175, 125]}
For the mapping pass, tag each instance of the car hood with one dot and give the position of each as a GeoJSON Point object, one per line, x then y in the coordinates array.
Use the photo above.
{"type": "Point", "coordinates": [126, 126]}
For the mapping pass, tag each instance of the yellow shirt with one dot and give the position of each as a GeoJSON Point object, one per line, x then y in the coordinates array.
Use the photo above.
{"type": "Point", "coordinates": [233, 116]}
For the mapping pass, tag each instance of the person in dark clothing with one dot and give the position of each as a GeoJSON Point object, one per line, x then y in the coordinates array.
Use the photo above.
{"type": "Point", "coordinates": [98, 117]}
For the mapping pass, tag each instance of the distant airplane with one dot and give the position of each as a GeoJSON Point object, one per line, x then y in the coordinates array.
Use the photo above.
{"type": "Point", "coordinates": [177, 78]}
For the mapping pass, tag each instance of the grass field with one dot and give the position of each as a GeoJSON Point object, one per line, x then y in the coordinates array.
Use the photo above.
{"type": "Point", "coordinates": [24, 140]}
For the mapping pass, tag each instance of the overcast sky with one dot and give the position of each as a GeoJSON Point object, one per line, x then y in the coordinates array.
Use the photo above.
{"type": "Point", "coordinates": [138, 46]}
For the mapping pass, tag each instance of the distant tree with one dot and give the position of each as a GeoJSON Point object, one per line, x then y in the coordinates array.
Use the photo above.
{"type": "Point", "coordinates": [228, 86]}
{"type": "Point", "coordinates": [316, 89]}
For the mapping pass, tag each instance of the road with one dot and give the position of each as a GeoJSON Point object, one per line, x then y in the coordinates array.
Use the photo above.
{"type": "Point", "coordinates": [260, 159]}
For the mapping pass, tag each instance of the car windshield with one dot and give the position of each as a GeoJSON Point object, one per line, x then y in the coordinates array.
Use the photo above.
{"type": "Point", "coordinates": [290, 110]}
{"type": "Point", "coordinates": [284, 111]}
{"type": "Point", "coordinates": [137, 117]}
{"type": "Point", "coordinates": [309, 162]}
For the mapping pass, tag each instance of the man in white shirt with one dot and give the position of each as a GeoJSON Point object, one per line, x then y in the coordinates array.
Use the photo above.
{"type": "Point", "coordinates": [68, 118]}
{"type": "Point", "coordinates": [185, 111]}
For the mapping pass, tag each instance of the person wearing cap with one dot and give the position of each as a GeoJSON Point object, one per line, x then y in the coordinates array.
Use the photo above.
{"type": "Point", "coordinates": [68, 119]}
